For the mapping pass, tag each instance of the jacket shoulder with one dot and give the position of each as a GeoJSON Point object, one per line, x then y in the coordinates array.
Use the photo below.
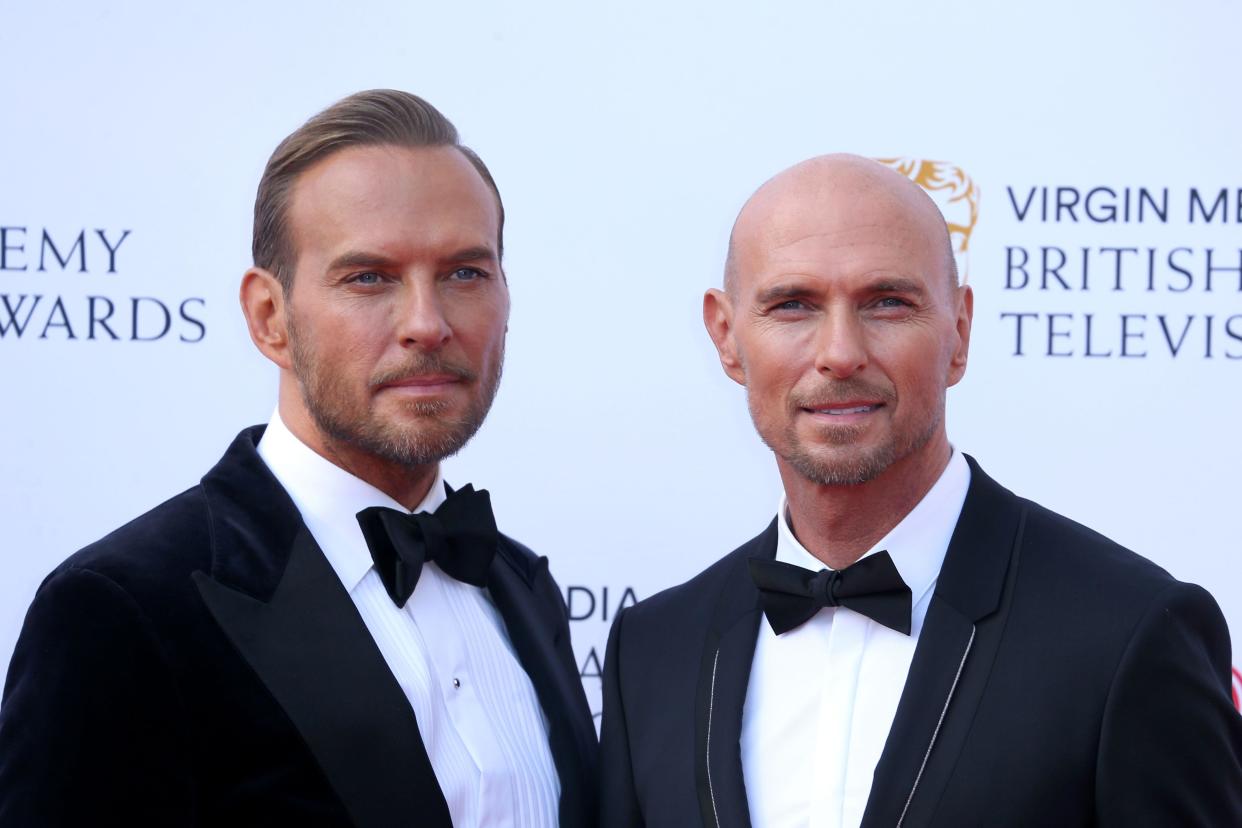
{"type": "Point", "coordinates": [696, 597]}
{"type": "Point", "coordinates": [169, 541]}
{"type": "Point", "coordinates": [1056, 541]}
{"type": "Point", "coordinates": [1098, 600]}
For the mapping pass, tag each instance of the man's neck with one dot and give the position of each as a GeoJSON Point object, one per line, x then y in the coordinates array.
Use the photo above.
{"type": "Point", "coordinates": [839, 524]}
{"type": "Point", "coordinates": [408, 485]}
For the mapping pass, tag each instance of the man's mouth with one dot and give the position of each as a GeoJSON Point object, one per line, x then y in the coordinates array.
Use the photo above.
{"type": "Point", "coordinates": [422, 371]}
{"type": "Point", "coordinates": [845, 410]}
{"type": "Point", "coordinates": [422, 380]}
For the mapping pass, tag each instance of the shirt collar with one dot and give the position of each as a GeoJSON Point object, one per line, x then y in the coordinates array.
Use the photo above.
{"type": "Point", "coordinates": [329, 499]}
{"type": "Point", "coordinates": [917, 544]}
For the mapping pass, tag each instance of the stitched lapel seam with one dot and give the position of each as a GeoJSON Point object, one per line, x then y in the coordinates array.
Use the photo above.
{"type": "Point", "coordinates": [955, 729]}
{"type": "Point", "coordinates": [711, 704]}
{"type": "Point", "coordinates": [943, 712]}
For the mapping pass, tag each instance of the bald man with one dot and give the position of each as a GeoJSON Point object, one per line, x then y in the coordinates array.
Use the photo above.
{"type": "Point", "coordinates": [907, 643]}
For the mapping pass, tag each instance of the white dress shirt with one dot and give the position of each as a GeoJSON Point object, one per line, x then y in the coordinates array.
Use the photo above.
{"type": "Point", "coordinates": [477, 711]}
{"type": "Point", "coordinates": [822, 697]}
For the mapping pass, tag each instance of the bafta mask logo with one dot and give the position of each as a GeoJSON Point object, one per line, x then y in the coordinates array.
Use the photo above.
{"type": "Point", "coordinates": [954, 193]}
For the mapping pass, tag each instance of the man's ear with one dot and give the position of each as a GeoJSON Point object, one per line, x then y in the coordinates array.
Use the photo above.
{"type": "Point", "coordinates": [718, 319]}
{"type": "Point", "coordinates": [263, 303]}
{"type": "Point", "coordinates": [965, 314]}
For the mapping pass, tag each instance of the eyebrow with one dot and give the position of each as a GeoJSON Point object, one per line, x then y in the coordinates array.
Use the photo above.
{"type": "Point", "coordinates": [772, 294]}
{"type": "Point", "coordinates": [897, 285]}
{"type": "Point", "coordinates": [360, 258]}
{"type": "Point", "coordinates": [474, 254]}
{"type": "Point", "coordinates": [887, 284]}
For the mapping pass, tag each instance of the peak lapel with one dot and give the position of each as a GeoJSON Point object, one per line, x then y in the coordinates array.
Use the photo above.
{"type": "Point", "coordinates": [313, 653]}
{"type": "Point", "coordinates": [724, 674]}
{"type": "Point", "coordinates": [282, 606]}
{"type": "Point", "coordinates": [953, 658]}
{"type": "Point", "coordinates": [528, 602]}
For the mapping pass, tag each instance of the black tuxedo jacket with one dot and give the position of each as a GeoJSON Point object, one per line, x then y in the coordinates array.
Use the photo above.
{"type": "Point", "coordinates": [204, 666]}
{"type": "Point", "coordinates": [1059, 680]}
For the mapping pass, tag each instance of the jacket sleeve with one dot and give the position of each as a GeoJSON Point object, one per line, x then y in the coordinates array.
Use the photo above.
{"type": "Point", "coordinates": [88, 731]}
{"type": "Point", "coordinates": [1171, 740]}
{"type": "Point", "coordinates": [618, 799]}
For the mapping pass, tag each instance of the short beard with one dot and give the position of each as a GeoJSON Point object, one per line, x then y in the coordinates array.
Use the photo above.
{"type": "Point", "coordinates": [860, 466]}
{"type": "Point", "coordinates": [326, 398]}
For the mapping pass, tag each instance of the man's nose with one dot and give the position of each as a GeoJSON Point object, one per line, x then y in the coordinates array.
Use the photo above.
{"type": "Point", "coordinates": [421, 319]}
{"type": "Point", "coordinates": [840, 346]}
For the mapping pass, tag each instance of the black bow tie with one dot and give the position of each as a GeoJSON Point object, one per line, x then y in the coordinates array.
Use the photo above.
{"type": "Point", "coordinates": [460, 537]}
{"type": "Point", "coordinates": [872, 587]}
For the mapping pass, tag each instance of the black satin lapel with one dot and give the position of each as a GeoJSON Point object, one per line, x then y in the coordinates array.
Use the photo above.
{"type": "Point", "coordinates": [529, 610]}
{"type": "Point", "coordinates": [941, 651]}
{"type": "Point", "coordinates": [724, 674]}
{"type": "Point", "coordinates": [970, 688]}
{"type": "Point", "coordinates": [957, 647]}
{"type": "Point", "coordinates": [312, 651]}
{"type": "Point", "coordinates": [725, 677]}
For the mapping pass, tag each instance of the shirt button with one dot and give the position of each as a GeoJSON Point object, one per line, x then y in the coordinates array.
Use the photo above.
{"type": "Point", "coordinates": [457, 682]}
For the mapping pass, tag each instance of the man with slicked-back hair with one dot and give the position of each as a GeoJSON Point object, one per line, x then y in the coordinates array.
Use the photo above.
{"type": "Point", "coordinates": [323, 632]}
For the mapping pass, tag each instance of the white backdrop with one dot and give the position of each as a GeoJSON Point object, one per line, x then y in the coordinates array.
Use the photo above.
{"type": "Point", "coordinates": [624, 137]}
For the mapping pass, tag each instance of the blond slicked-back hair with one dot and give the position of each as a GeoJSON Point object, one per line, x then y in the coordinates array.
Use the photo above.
{"type": "Point", "coordinates": [376, 117]}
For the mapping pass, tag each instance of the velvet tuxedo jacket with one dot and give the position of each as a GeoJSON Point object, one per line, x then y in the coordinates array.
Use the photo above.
{"type": "Point", "coordinates": [1059, 680]}
{"type": "Point", "coordinates": [204, 666]}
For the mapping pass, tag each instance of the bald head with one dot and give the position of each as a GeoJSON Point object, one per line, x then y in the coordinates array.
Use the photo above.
{"type": "Point", "coordinates": [828, 194]}
{"type": "Point", "coordinates": [842, 318]}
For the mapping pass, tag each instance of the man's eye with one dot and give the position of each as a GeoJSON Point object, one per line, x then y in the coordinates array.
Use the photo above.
{"type": "Point", "coordinates": [893, 302]}
{"type": "Point", "coordinates": [466, 274]}
{"type": "Point", "coordinates": [792, 304]}
{"type": "Point", "coordinates": [368, 278]}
